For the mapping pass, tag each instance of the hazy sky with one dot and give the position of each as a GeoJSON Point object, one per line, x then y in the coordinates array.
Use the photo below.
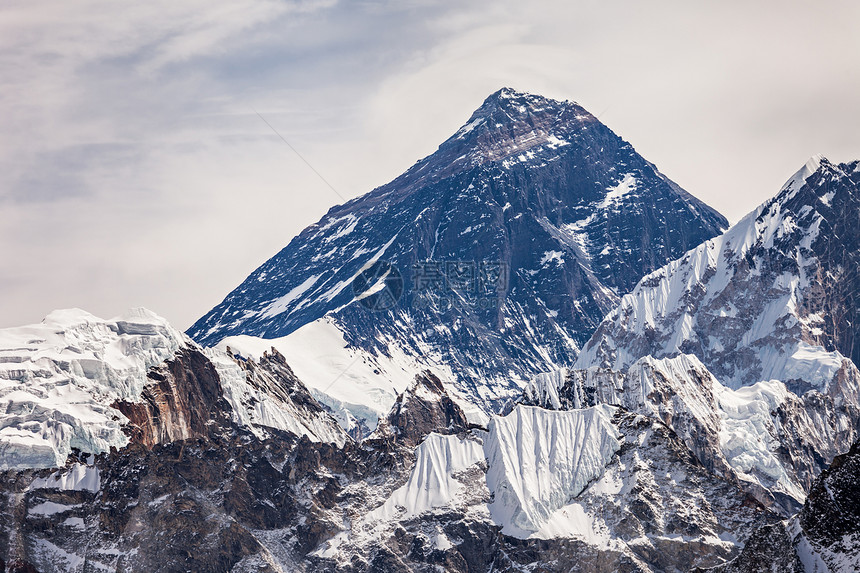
{"type": "Point", "coordinates": [134, 170]}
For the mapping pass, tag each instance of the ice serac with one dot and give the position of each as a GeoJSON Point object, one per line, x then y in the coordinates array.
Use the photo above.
{"type": "Point", "coordinates": [770, 310]}
{"type": "Point", "coordinates": [59, 378]}
{"type": "Point", "coordinates": [599, 489]}
{"type": "Point", "coordinates": [540, 459]}
{"type": "Point", "coordinates": [535, 217]}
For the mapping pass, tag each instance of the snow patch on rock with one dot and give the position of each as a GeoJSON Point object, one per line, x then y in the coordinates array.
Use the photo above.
{"type": "Point", "coordinates": [256, 409]}
{"type": "Point", "coordinates": [79, 477]}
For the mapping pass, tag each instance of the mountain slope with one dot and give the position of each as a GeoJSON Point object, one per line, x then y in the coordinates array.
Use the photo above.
{"type": "Point", "coordinates": [768, 311]}
{"type": "Point", "coordinates": [772, 298]}
{"type": "Point", "coordinates": [534, 216]}
{"type": "Point", "coordinates": [823, 538]}
{"type": "Point", "coordinates": [597, 489]}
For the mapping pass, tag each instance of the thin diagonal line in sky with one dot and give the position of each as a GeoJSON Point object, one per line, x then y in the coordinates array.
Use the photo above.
{"type": "Point", "coordinates": [300, 156]}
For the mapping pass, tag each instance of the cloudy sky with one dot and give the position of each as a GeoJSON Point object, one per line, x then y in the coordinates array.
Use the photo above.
{"type": "Point", "coordinates": [135, 171]}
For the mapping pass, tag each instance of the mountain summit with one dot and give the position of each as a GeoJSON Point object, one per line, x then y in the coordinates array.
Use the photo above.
{"type": "Point", "coordinates": [506, 125]}
{"type": "Point", "coordinates": [506, 248]}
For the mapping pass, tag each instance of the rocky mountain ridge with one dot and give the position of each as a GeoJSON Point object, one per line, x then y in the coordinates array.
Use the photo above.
{"type": "Point", "coordinates": [211, 480]}
{"type": "Point", "coordinates": [823, 537]}
{"type": "Point", "coordinates": [734, 345]}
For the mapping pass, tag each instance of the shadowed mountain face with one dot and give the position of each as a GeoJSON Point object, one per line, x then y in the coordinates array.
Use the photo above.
{"type": "Point", "coordinates": [535, 218]}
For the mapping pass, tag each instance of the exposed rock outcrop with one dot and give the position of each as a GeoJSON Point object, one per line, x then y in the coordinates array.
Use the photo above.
{"type": "Point", "coordinates": [423, 408]}
{"type": "Point", "coordinates": [185, 395]}
{"type": "Point", "coordinates": [824, 537]}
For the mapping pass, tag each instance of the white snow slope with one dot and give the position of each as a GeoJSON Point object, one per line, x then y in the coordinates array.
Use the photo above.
{"type": "Point", "coordinates": [353, 383]}
{"type": "Point", "coordinates": [540, 459]}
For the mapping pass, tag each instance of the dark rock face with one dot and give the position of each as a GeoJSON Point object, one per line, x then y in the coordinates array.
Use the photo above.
{"type": "Point", "coordinates": [830, 518]}
{"type": "Point", "coordinates": [550, 215]}
{"type": "Point", "coordinates": [669, 498]}
{"type": "Point", "coordinates": [769, 549]}
{"type": "Point", "coordinates": [423, 408]}
{"type": "Point", "coordinates": [179, 404]}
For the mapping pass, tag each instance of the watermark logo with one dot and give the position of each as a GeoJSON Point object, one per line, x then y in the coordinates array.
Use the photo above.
{"type": "Point", "coordinates": [435, 284]}
{"type": "Point", "coordinates": [446, 284]}
{"type": "Point", "coordinates": [464, 277]}
{"type": "Point", "coordinates": [378, 286]}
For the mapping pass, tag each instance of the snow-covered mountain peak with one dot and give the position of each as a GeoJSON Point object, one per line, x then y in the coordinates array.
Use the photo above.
{"type": "Point", "coordinates": [797, 180]}
{"type": "Point", "coordinates": [512, 127]}
{"type": "Point", "coordinates": [818, 177]}
{"type": "Point", "coordinates": [783, 251]}
{"type": "Point", "coordinates": [512, 241]}
{"type": "Point", "coordinates": [770, 309]}
{"type": "Point", "coordinates": [516, 106]}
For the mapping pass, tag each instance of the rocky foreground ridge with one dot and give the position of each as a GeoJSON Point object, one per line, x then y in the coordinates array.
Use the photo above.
{"type": "Point", "coordinates": [227, 464]}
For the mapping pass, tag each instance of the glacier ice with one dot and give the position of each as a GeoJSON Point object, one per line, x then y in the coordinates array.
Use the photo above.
{"type": "Point", "coordinates": [540, 459]}
{"type": "Point", "coordinates": [431, 483]}
{"type": "Point", "coordinates": [59, 378]}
